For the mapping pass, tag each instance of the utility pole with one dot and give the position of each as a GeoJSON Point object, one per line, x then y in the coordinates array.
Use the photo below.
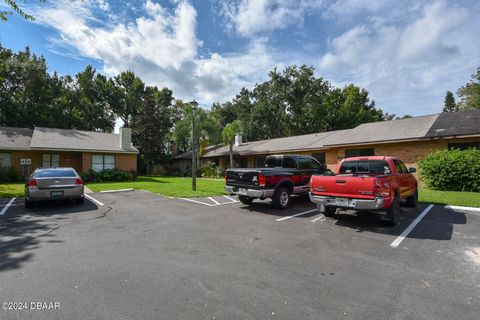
{"type": "Point", "coordinates": [194, 105]}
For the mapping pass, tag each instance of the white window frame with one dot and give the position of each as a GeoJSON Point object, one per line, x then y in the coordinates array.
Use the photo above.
{"type": "Point", "coordinates": [102, 162]}
{"type": "Point", "coordinates": [48, 160]}
{"type": "Point", "coordinates": [8, 157]}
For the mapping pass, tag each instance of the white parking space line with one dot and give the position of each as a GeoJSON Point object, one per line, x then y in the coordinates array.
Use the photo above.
{"type": "Point", "coordinates": [199, 202]}
{"type": "Point", "coordinates": [94, 200]}
{"type": "Point", "coordinates": [409, 229]}
{"type": "Point", "coordinates": [322, 217]}
{"type": "Point", "coordinates": [295, 215]}
{"type": "Point", "coordinates": [4, 210]}
{"type": "Point", "coordinates": [213, 200]}
{"type": "Point", "coordinates": [462, 208]}
{"type": "Point", "coordinates": [231, 199]}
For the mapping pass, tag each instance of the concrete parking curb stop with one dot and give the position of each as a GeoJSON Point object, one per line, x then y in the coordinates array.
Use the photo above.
{"type": "Point", "coordinates": [461, 208]}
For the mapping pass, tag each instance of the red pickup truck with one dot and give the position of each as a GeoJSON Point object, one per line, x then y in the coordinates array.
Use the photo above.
{"type": "Point", "coordinates": [366, 183]}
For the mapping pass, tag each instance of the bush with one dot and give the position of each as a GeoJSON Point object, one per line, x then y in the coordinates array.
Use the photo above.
{"type": "Point", "coordinates": [10, 175]}
{"type": "Point", "coordinates": [452, 170]}
{"type": "Point", "coordinates": [107, 176]}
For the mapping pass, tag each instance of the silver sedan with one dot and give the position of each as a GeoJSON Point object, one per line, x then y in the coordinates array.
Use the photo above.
{"type": "Point", "coordinates": [53, 184]}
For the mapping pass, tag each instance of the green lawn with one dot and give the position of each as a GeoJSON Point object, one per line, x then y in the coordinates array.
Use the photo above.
{"type": "Point", "coordinates": [8, 190]}
{"type": "Point", "coordinates": [167, 186]}
{"type": "Point", "coordinates": [468, 199]}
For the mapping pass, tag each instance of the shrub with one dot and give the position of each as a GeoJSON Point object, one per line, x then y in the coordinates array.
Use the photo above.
{"type": "Point", "coordinates": [107, 176]}
{"type": "Point", "coordinates": [10, 175]}
{"type": "Point", "coordinates": [209, 170]}
{"type": "Point", "coordinates": [452, 170]}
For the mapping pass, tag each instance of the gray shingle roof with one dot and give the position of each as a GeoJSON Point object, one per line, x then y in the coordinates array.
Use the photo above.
{"type": "Point", "coordinates": [456, 123]}
{"type": "Point", "coordinates": [76, 140]}
{"type": "Point", "coordinates": [15, 138]}
{"type": "Point", "coordinates": [402, 129]}
{"type": "Point", "coordinates": [422, 127]}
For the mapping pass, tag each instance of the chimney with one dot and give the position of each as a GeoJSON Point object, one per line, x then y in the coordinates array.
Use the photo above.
{"type": "Point", "coordinates": [125, 138]}
{"type": "Point", "coordinates": [238, 140]}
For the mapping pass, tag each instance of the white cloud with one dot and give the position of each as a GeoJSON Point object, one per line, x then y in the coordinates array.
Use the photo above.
{"type": "Point", "coordinates": [161, 47]}
{"type": "Point", "coordinates": [251, 17]}
{"type": "Point", "coordinates": [407, 65]}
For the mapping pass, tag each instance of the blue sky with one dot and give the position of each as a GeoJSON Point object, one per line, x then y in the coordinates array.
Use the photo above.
{"type": "Point", "coordinates": [405, 53]}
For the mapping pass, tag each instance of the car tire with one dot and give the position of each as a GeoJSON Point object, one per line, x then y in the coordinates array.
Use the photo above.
{"type": "Point", "coordinates": [245, 199]}
{"type": "Point", "coordinates": [28, 204]}
{"type": "Point", "coordinates": [412, 201]}
{"type": "Point", "coordinates": [281, 198]}
{"type": "Point", "coordinates": [393, 213]}
{"type": "Point", "coordinates": [80, 200]}
{"type": "Point", "coordinates": [329, 211]}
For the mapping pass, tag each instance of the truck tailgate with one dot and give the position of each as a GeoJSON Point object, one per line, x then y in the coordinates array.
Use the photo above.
{"type": "Point", "coordinates": [346, 186]}
{"type": "Point", "coordinates": [244, 178]}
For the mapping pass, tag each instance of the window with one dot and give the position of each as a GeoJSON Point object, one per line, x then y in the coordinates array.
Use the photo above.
{"type": "Point", "coordinates": [5, 160]}
{"type": "Point", "coordinates": [289, 163]}
{"type": "Point", "coordinates": [50, 160]}
{"type": "Point", "coordinates": [54, 173]}
{"type": "Point", "coordinates": [259, 162]}
{"type": "Point", "coordinates": [307, 164]}
{"type": "Point", "coordinates": [349, 153]}
{"type": "Point", "coordinates": [372, 166]}
{"type": "Point", "coordinates": [320, 157]}
{"type": "Point", "coordinates": [464, 146]}
{"type": "Point", "coordinates": [102, 162]}
{"type": "Point", "coordinates": [273, 162]}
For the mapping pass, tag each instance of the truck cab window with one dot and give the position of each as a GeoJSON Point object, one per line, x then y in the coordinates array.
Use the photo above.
{"type": "Point", "coordinates": [273, 162]}
{"type": "Point", "coordinates": [289, 163]}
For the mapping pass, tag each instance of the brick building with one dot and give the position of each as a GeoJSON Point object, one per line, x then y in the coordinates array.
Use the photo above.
{"type": "Point", "coordinates": [24, 150]}
{"type": "Point", "coordinates": [409, 139]}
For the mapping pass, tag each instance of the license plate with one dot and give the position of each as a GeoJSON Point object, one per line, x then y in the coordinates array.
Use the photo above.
{"type": "Point", "coordinates": [56, 193]}
{"type": "Point", "coordinates": [242, 191]}
{"type": "Point", "coordinates": [342, 202]}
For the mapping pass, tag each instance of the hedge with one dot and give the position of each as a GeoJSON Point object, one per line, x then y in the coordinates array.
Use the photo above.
{"type": "Point", "coordinates": [452, 170]}
{"type": "Point", "coordinates": [107, 176]}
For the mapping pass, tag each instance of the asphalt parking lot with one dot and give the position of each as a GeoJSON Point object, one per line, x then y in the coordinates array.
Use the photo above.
{"type": "Point", "coordinates": [136, 255]}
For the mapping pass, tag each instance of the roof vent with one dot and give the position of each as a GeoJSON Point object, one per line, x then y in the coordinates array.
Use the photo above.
{"type": "Point", "coordinates": [125, 138]}
{"type": "Point", "coordinates": [238, 140]}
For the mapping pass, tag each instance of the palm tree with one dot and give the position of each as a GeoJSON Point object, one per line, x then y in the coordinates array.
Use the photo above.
{"type": "Point", "coordinates": [228, 136]}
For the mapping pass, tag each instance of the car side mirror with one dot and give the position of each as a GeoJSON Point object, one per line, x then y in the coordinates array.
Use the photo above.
{"type": "Point", "coordinates": [412, 170]}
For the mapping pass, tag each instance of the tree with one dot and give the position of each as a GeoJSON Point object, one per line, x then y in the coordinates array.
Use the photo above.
{"type": "Point", "coordinates": [124, 95]}
{"type": "Point", "coordinates": [207, 128]}
{"type": "Point", "coordinates": [89, 108]}
{"type": "Point", "coordinates": [152, 124]}
{"type": "Point", "coordinates": [14, 7]}
{"type": "Point", "coordinates": [450, 105]}
{"type": "Point", "coordinates": [228, 136]}
{"type": "Point", "coordinates": [470, 93]}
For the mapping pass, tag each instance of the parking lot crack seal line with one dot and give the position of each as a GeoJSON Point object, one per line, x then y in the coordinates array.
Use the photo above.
{"type": "Point", "coordinates": [409, 229]}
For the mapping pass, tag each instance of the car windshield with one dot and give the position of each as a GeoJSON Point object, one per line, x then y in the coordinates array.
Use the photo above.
{"type": "Point", "coordinates": [55, 173]}
{"type": "Point", "coordinates": [365, 167]}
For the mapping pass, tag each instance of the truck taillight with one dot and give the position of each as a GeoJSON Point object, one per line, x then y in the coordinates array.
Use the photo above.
{"type": "Point", "coordinates": [262, 180]}
{"type": "Point", "coordinates": [32, 183]}
{"type": "Point", "coordinates": [380, 189]}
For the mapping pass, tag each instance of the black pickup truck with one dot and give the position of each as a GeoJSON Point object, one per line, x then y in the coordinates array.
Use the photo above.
{"type": "Point", "coordinates": [282, 176]}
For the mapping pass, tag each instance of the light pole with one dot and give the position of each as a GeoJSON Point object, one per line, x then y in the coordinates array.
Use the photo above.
{"type": "Point", "coordinates": [194, 105]}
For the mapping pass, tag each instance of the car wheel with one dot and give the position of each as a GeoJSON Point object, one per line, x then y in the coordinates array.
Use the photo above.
{"type": "Point", "coordinates": [80, 200]}
{"type": "Point", "coordinates": [245, 199]}
{"type": "Point", "coordinates": [393, 213]}
{"type": "Point", "coordinates": [28, 203]}
{"type": "Point", "coordinates": [329, 211]}
{"type": "Point", "coordinates": [412, 201]}
{"type": "Point", "coordinates": [281, 199]}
